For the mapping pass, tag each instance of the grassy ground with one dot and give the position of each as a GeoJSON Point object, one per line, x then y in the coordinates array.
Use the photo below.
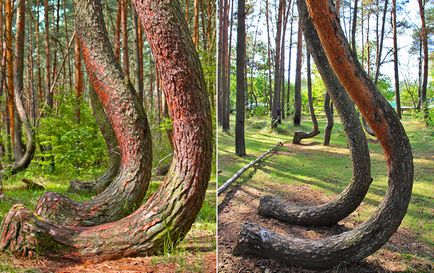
{"type": "Point", "coordinates": [195, 254]}
{"type": "Point", "coordinates": [312, 170]}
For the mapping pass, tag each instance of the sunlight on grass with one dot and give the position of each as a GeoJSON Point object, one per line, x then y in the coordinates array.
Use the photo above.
{"type": "Point", "coordinates": [329, 169]}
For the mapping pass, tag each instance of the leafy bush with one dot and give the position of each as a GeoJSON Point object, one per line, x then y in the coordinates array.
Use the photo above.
{"type": "Point", "coordinates": [73, 147]}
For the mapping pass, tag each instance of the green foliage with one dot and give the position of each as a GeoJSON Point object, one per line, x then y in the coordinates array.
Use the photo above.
{"type": "Point", "coordinates": [74, 147]}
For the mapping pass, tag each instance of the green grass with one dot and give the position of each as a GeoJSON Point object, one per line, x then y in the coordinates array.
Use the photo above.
{"type": "Point", "coordinates": [329, 169]}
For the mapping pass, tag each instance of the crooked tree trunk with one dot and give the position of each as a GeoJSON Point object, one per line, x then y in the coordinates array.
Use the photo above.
{"type": "Point", "coordinates": [350, 198]}
{"type": "Point", "coordinates": [328, 109]}
{"type": "Point", "coordinates": [368, 237]}
{"type": "Point", "coordinates": [9, 68]}
{"type": "Point", "coordinates": [130, 125]}
{"type": "Point", "coordinates": [300, 135]}
{"type": "Point", "coordinates": [101, 183]}
{"type": "Point", "coordinates": [170, 212]}
{"type": "Point", "coordinates": [24, 160]}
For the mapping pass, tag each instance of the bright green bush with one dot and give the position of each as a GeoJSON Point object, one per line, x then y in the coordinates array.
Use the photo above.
{"type": "Point", "coordinates": [73, 147]}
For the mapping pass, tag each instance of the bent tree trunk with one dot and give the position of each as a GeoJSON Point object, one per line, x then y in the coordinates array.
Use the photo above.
{"type": "Point", "coordinates": [130, 125]}
{"type": "Point", "coordinates": [169, 212]}
{"type": "Point", "coordinates": [368, 237]}
{"type": "Point", "coordinates": [350, 198]}
{"type": "Point", "coordinates": [300, 135]}
{"type": "Point", "coordinates": [24, 160]}
{"type": "Point", "coordinates": [101, 183]}
{"type": "Point", "coordinates": [328, 109]}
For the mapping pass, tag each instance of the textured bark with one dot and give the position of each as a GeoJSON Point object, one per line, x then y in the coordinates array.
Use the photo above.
{"type": "Point", "coordinates": [297, 91]}
{"type": "Point", "coordinates": [240, 146]}
{"type": "Point", "coordinates": [350, 198]}
{"type": "Point", "coordinates": [131, 128]}
{"type": "Point", "coordinates": [300, 135]}
{"type": "Point", "coordinates": [328, 109]}
{"type": "Point", "coordinates": [368, 237]}
{"type": "Point", "coordinates": [170, 212]}
{"type": "Point", "coordinates": [101, 183]}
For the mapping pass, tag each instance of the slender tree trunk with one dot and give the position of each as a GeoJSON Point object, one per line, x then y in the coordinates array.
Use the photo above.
{"type": "Point", "coordinates": [300, 135]}
{"type": "Point", "coordinates": [297, 91]}
{"type": "Point", "coordinates": [354, 29]}
{"type": "Point", "coordinates": [358, 243]}
{"type": "Point", "coordinates": [380, 48]}
{"type": "Point", "coordinates": [225, 68]}
{"type": "Point", "coordinates": [125, 50]}
{"type": "Point", "coordinates": [10, 68]}
{"type": "Point", "coordinates": [288, 96]}
{"type": "Point", "coordinates": [227, 103]}
{"type": "Point", "coordinates": [219, 83]}
{"type": "Point", "coordinates": [424, 38]}
{"type": "Point", "coordinates": [118, 32]}
{"type": "Point", "coordinates": [282, 63]}
{"type": "Point", "coordinates": [38, 57]}
{"type": "Point", "coordinates": [187, 7]}
{"type": "Point", "coordinates": [48, 94]}
{"type": "Point", "coordinates": [171, 211]}
{"type": "Point", "coordinates": [138, 77]}
{"type": "Point", "coordinates": [240, 146]}
{"type": "Point", "coordinates": [78, 79]}
{"type": "Point", "coordinates": [275, 110]}
{"type": "Point", "coordinates": [395, 59]}
{"type": "Point", "coordinates": [65, 20]}
{"type": "Point", "coordinates": [196, 24]}
{"type": "Point", "coordinates": [24, 161]}
{"type": "Point", "coordinates": [267, 17]}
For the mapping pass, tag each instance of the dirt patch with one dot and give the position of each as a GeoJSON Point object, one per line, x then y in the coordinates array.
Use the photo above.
{"type": "Point", "coordinates": [402, 253]}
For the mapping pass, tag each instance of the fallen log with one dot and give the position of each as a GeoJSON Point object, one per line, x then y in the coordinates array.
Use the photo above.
{"type": "Point", "coordinates": [245, 168]}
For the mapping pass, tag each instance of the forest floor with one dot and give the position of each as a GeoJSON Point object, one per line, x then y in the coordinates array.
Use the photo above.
{"type": "Point", "coordinates": [196, 253]}
{"type": "Point", "coordinates": [312, 174]}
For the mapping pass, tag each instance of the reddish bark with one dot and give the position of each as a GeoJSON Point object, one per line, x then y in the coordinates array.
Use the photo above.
{"type": "Point", "coordinates": [368, 237]}
{"type": "Point", "coordinates": [127, 118]}
{"type": "Point", "coordinates": [170, 212]}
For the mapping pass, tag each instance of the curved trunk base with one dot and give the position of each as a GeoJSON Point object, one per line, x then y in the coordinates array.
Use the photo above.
{"type": "Point", "coordinates": [368, 237]}
{"type": "Point", "coordinates": [96, 186]}
{"type": "Point", "coordinates": [328, 109]}
{"type": "Point", "coordinates": [300, 135]}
